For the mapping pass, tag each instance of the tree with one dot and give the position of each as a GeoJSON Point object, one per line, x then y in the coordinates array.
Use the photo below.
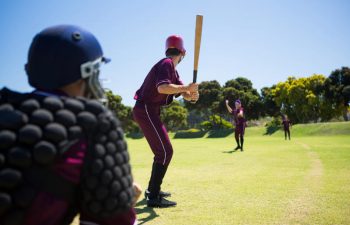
{"type": "Point", "coordinates": [122, 112]}
{"type": "Point", "coordinates": [174, 116]}
{"type": "Point", "coordinates": [303, 99]}
{"type": "Point", "coordinates": [210, 93]}
{"type": "Point", "coordinates": [208, 104]}
{"type": "Point", "coordinates": [269, 106]}
{"type": "Point", "coordinates": [242, 88]}
{"type": "Point", "coordinates": [337, 87]}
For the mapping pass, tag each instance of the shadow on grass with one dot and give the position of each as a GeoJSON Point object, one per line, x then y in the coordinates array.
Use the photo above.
{"type": "Point", "coordinates": [231, 151]}
{"type": "Point", "coordinates": [141, 208]}
{"type": "Point", "coordinates": [220, 133]}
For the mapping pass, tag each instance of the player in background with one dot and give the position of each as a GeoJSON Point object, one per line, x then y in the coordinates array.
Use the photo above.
{"type": "Point", "coordinates": [286, 124]}
{"type": "Point", "coordinates": [239, 122]}
{"type": "Point", "coordinates": [158, 89]}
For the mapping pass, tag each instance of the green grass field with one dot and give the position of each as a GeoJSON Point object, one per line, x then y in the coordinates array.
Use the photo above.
{"type": "Point", "coordinates": [302, 181]}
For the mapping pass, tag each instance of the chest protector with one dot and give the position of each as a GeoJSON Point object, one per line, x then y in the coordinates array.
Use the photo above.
{"type": "Point", "coordinates": [36, 131]}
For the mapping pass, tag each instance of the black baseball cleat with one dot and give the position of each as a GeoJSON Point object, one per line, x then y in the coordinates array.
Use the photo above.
{"type": "Point", "coordinates": [161, 194]}
{"type": "Point", "coordinates": [238, 147]}
{"type": "Point", "coordinates": [160, 202]}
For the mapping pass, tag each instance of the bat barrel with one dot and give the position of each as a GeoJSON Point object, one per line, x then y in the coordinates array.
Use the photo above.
{"type": "Point", "coordinates": [197, 45]}
{"type": "Point", "coordinates": [197, 41]}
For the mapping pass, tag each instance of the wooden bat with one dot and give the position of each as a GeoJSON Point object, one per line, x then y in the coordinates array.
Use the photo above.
{"type": "Point", "coordinates": [197, 45]}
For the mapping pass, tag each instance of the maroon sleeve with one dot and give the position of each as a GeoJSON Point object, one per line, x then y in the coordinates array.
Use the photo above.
{"type": "Point", "coordinates": [165, 73]}
{"type": "Point", "coordinates": [178, 79]}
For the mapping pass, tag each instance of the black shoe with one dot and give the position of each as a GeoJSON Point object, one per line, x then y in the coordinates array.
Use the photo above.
{"type": "Point", "coordinates": [160, 202]}
{"type": "Point", "coordinates": [238, 147]}
{"type": "Point", "coordinates": [161, 194]}
{"type": "Point", "coordinates": [241, 149]}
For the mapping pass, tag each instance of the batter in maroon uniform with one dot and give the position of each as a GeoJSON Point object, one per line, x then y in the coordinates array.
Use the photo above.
{"type": "Point", "coordinates": [239, 121]}
{"type": "Point", "coordinates": [159, 87]}
{"type": "Point", "coordinates": [286, 123]}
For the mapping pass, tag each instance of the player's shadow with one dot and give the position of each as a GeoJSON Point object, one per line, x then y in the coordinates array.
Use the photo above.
{"type": "Point", "coordinates": [141, 207]}
{"type": "Point", "coordinates": [230, 151]}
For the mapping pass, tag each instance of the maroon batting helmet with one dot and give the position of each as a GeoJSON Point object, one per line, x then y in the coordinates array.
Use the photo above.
{"type": "Point", "coordinates": [175, 41]}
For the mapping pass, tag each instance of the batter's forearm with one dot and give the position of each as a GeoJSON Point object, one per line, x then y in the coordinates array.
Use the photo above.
{"type": "Point", "coordinates": [170, 89]}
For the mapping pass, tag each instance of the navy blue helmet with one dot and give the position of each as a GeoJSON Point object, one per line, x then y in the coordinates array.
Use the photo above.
{"type": "Point", "coordinates": [63, 54]}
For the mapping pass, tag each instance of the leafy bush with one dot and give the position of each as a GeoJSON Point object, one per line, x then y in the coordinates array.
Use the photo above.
{"type": "Point", "coordinates": [135, 135]}
{"type": "Point", "coordinates": [226, 124]}
{"type": "Point", "coordinates": [174, 116]}
{"type": "Point", "coordinates": [273, 126]}
{"type": "Point", "coordinates": [216, 122]}
{"type": "Point", "coordinates": [191, 133]}
{"type": "Point", "coordinates": [206, 125]}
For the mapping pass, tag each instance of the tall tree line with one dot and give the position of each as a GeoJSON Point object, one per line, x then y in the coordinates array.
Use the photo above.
{"type": "Point", "coordinates": [307, 99]}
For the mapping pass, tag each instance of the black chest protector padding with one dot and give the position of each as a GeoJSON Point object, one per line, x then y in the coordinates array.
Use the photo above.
{"type": "Point", "coordinates": [36, 131]}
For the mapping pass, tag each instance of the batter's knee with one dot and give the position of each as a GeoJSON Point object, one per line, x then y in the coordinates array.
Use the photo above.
{"type": "Point", "coordinates": [170, 153]}
{"type": "Point", "coordinates": [164, 157]}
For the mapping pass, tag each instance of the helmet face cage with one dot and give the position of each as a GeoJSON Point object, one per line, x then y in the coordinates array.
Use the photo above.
{"type": "Point", "coordinates": [90, 71]}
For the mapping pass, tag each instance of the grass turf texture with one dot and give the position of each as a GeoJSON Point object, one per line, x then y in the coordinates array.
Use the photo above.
{"type": "Point", "coordinates": [302, 181]}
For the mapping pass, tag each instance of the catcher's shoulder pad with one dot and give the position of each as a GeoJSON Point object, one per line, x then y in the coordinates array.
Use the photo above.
{"type": "Point", "coordinates": [106, 181]}
{"type": "Point", "coordinates": [36, 130]}
{"type": "Point", "coordinates": [31, 138]}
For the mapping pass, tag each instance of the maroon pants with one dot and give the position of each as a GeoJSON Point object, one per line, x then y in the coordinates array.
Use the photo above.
{"type": "Point", "coordinates": [239, 130]}
{"type": "Point", "coordinates": [148, 118]}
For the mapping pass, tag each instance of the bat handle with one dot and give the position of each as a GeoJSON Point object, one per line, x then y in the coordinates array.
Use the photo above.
{"type": "Point", "coordinates": [194, 81]}
{"type": "Point", "coordinates": [195, 76]}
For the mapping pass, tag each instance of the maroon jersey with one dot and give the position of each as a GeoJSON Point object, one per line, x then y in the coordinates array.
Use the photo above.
{"type": "Point", "coordinates": [239, 121]}
{"type": "Point", "coordinates": [163, 72]}
{"type": "Point", "coordinates": [286, 123]}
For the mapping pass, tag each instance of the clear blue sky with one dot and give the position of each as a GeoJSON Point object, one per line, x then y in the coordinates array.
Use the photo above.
{"type": "Point", "coordinates": [265, 41]}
